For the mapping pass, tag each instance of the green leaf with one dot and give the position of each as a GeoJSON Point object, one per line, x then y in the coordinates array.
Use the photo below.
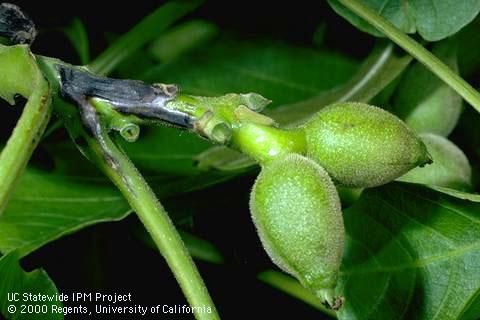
{"type": "Point", "coordinates": [144, 32]}
{"type": "Point", "coordinates": [78, 36]}
{"type": "Point", "coordinates": [425, 102]}
{"type": "Point", "coordinates": [278, 72]}
{"type": "Point", "coordinates": [223, 159]}
{"type": "Point", "coordinates": [412, 253]}
{"type": "Point", "coordinates": [47, 205]}
{"type": "Point", "coordinates": [165, 149]}
{"type": "Point", "coordinates": [474, 197]}
{"type": "Point", "coordinates": [16, 280]}
{"type": "Point", "coordinates": [200, 248]}
{"type": "Point", "coordinates": [433, 20]}
{"type": "Point", "coordinates": [381, 67]}
{"type": "Point", "coordinates": [171, 44]}
{"type": "Point", "coordinates": [181, 39]}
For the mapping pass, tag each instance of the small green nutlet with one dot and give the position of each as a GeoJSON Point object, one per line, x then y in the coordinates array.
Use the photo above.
{"type": "Point", "coordinates": [296, 210]}
{"type": "Point", "coordinates": [363, 146]}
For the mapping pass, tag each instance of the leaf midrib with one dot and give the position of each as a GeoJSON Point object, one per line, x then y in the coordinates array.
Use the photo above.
{"type": "Point", "coordinates": [418, 263]}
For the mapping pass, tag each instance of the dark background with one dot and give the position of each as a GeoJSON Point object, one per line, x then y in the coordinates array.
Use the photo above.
{"type": "Point", "coordinates": [293, 22]}
{"type": "Point", "coordinates": [108, 257]}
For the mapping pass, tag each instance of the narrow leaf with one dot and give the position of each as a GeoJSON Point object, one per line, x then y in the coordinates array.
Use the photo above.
{"type": "Point", "coordinates": [181, 39]}
{"type": "Point", "coordinates": [78, 36]}
{"type": "Point", "coordinates": [147, 30]}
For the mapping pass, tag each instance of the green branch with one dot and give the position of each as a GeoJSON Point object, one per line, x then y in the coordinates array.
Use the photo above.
{"type": "Point", "coordinates": [417, 51]}
{"type": "Point", "coordinates": [155, 219]}
{"type": "Point", "coordinates": [20, 75]}
{"type": "Point", "coordinates": [121, 171]}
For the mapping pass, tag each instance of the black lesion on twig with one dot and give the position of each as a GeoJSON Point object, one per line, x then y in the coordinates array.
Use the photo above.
{"type": "Point", "coordinates": [125, 96]}
{"type": "Point", "coordinates": [16, 25]}
{"type": "Point", "coordinates": [147, 101]}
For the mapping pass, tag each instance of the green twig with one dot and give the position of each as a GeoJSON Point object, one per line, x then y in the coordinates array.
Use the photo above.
{"type": "Point", "coordinates": [155, 219]}
{"type": "Point", "coordinates": [416, 50]}
{"type": "Point", "coordinates": [234, 120]}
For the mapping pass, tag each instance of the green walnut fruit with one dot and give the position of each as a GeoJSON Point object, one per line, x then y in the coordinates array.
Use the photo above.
{"type": "Point", "coordinates": [297, 213]}
{"type": "Point", "coordinates": [450, 166]}
{"type": "Point", "coordinates": [362, 146]}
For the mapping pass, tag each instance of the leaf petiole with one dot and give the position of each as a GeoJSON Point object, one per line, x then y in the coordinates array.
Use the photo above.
{"type": "Point", "coordinates": [430, 61]}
